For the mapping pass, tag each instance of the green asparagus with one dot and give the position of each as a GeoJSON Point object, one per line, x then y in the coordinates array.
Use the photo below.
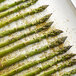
{"type": "Point", "coordinates": [70, 73]}
{"type": "Point", "coordinates": [34, 40]}
{"type": "Point", "coordinates": [17, 17]}
{"type": "Point", "coordinates": [63, 58]}
{"type": "Point", "coordinates": [36, 51]}
{"type": "Point", "coordinates": [2, 1]}
{"type": "Point", "coordinates": [18, 8]}
{"type": "Point", "coordinates": [62, 66]}
{"type": "Point", "coordinates": [13, 39]}
{"type": "Point", "coordinates": [24, 67]}
{"type": "Point", "coordinates": [7, 32]}
{"type": "Point", "coordinates": [3, 8]}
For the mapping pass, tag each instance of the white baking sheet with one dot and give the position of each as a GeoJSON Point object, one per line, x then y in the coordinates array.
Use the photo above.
{"type": "Point", "coordinates": [74, 3]}
{"type": "Point", "coordinates": [64, 17]}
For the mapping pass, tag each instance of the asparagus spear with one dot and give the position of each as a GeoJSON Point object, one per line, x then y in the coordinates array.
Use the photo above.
{"type": "Point", "coordinates": [17, 17]}
{"type": "Point", "coordinates": [3, 8]}
{"type": "Point", "coordinates": [5, 13]}
{"type": "Point", "coordinates": [46, 26]}
{"type": "Point", "coordinates": [26, 66]}
{"type": "Point", "coordinates": [63, 58]}
{"type": "Point", "coordinates": [62, 66]}
{"type": "Point", "coordinates": [7, 32]}
{"type": "Point", "coordinates": [34, 40]}
{"type": "Point", "coordinates": [36, 51]}
{"type": "Point", "coordinates": [70, 73]}
{"type": "Point", "coordinates": [2, 1]}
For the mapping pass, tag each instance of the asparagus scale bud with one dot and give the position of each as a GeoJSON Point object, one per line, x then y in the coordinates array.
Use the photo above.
{"type": "Point", "coordinates": [36, 51]}
{"type": "Point", "coordinates": [63, 58]}
{"type": "Point", "coordinates": [18, 8]}
{"type": "Point", "coordinates": [26, 66]}
{"type": "Point", "coordinates": [62, 66]}
{"type": "Point", "coordinates": [7, 32]}
{"type": "Point", "coordinates": [70, 73]}
{"type": "Point", "coordinates": [17, 17]}
{"type": "Point", "coordinates": [3, 8]}
{"type": "Point", "coordinates": [9, 41]}
{"type": "Point", "coordinates": [23, 44]}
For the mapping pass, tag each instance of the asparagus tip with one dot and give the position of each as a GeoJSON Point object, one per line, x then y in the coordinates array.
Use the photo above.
{"type": "Point", "coordinates": [64, 38]}
{"type": "Point", "coordinates": [49, 15]}
{"type": "Point", "coordinates": [73, 61]}
{"type": "Point", "coordinates": [50, 23]}
{"type": "Point", "coordinates": [68, 47]}
{"type": "Point", "coordinates": [72, 54]}
{"type": "Point", "coordinates": [46, 17]}
{"type": "Point", "coordinates": [58, 31]}
{"type": "Point", "coordinates": [45, 6]}
{"type": "Point", "coordinates": [61, 40]}
{"type": "Point", "coordinates": [41, 8]}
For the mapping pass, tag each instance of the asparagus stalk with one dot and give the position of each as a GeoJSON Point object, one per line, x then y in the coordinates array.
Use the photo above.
{"type": "Point", "coordinates": [63, 58]}
{"type": "Point", "coordinates": [26, 66]}
{"type": "Point", "coordinates": [62, 66]}
{"type": "Point", "coordinates": [70, 73]}
{"type": "Point", "coordinates": [36, 51]}
{"type": "Point", "coordinates": [2, 1]}
{"type": "Point", "coordinates": [5, 13]}
{"type": "Point", "coordinates": [34, 40]}
{"type": "Point", "coordinates": [46, 26]}
{"type": "Point", "coordinates": [3, 8]}
{"type": "Point", "coordinates": [17, 17]}
{"type": "Point", "coordinates": [7, 32]}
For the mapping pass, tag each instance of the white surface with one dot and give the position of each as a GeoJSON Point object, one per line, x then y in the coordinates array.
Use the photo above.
{"type": "Point", "coordinates": [74, 2]}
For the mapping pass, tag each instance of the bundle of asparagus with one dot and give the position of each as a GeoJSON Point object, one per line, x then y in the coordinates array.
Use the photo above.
{"type": "Point", "coordinates": [46, 26]}
{"type": "Point", "coordinates": [36, 51]}
{"type": "Point", "coordinates": [3, 8]}
{"type": "Point", "coordinates": [62, 66]}
{"type": "Point", "coordinates": [31, 64]}
{"type": "Point", "coordinates": [63, 58]}
{"type": "Point", "coordinates": [18, 8]}
{"type": "Point", "coordinates": [45, 34]}
{"type": "Point", "coordinates": [70, 73]}
{"type": "Point", "coordinates": [17, 17]}
{"type": "Point", "coordinates": [41, 20]}
{"type": "Point", "coordinates": [34, 40]}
